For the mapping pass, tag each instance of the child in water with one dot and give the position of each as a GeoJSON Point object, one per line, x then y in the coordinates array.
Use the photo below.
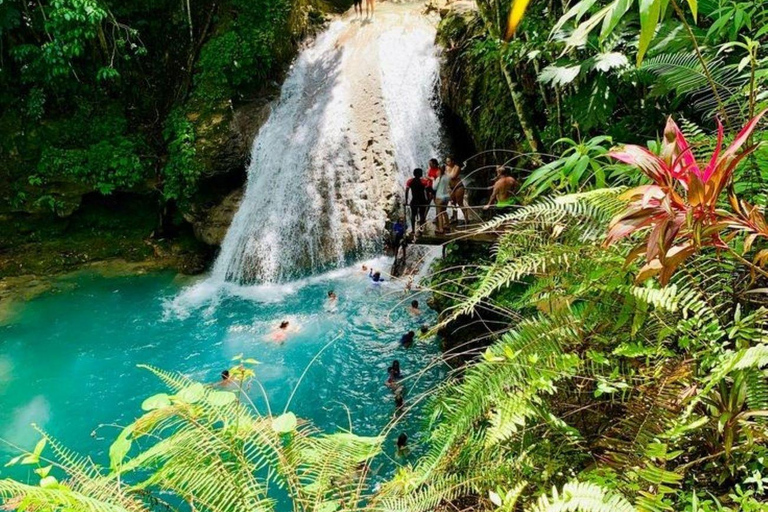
{"type": "Point", "coordinates": [414, 309]}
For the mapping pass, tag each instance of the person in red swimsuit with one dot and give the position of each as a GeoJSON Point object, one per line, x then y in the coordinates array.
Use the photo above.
{"type": "Point", "coordinates": [433, 171]}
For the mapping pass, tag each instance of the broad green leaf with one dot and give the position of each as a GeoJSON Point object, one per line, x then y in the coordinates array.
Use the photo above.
{"type": "Point", "coordinates": [39, 447]}
{"type": "Point", "coordinates": [220, 398]}
{"type": "Point", "coordinates": [618, 8]}
{"type": "Point", "coordinates": [559, 75]}
{"type": "Point", "coordinates": [43, 471]}
{"type": "Point", "coordinates": [158, 401]}
{"type": "Point", "coordinates": [14, 460]}
{"type": "Point", "coordinates": [48, 481]}
{"type": "Point", "coordinates": [694, 5]}
{"type": "Point", "coordinates": [120, 448]}
{"type": "Point", "coordinates": [576, 12]}
{"type": "Point", "coordinates": [285, 423]}
{"type": "Point", "coordinates": [649, 19]}
{"type": "Point", "coordinates": [192, 393]}
{"type": "Point", "coordinates": [578, 170]}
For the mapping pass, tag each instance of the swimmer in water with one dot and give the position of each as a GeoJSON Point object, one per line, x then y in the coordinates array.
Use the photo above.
{"type": "Point", "coordinates": [407, 339]}
{"type": "Point", "coordinates": [281, 333]}
{"type": "Point", "coordinates": [375, 277]}
{"type": "Point", "coordinates": [414, 309]}
{"type": "Point", "coordinates": [332, 297]}
{"type": "Point", "coordinates": [394, 377]}
{"type": "Point", "coordinates": [402, 445]}
{"type": "Point", "coordinates": [226, 380]}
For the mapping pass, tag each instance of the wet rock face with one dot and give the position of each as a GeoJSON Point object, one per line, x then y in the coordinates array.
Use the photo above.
{"type": "Point", "coordinates": [212, 224]}
{"type": "Point", "coordinates": [224, 139]}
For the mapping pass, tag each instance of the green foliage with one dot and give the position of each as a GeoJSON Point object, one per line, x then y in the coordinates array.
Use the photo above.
{"type": "Point", "coordinates": [105, 165]}
{"type": "Point", "coordinates": [577, 166]}
{"type": "Point", "coordinates": [200, 445]}
{"type": "Point", "coordinates": [633, 389]}
{"type": "Point", "coordinates": [246, 51]}
{"type": "Point", "coordinates": [183, 169]}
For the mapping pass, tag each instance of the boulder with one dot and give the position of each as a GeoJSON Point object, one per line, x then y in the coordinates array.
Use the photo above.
{"type": "Point", "coordinates": [211, 226]}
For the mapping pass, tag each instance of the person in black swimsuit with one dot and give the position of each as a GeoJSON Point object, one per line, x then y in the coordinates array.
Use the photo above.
{"type": "Point", "coordinates": [419, 189]}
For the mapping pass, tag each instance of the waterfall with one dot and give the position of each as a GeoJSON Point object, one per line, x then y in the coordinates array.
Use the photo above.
{"type": "Point", "coordinates": [356, 113]}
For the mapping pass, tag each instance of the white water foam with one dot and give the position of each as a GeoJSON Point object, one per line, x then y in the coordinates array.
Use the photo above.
{"type": "Point", "coordinates": [409, 69]}
{"type": "Point", "coordinates": [303, 209]}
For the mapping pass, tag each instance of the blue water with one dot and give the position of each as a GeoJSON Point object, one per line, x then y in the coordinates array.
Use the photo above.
{"type": "Point", "coordinates": [68, 360]}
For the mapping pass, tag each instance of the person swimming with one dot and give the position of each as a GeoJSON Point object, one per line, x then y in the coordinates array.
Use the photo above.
{"type": "Point", "coordinates": [414, 309]}
{"type": "Point", "coordinates": [393, 378]}
{"type": "Point", "coordinates": [375, 277]}
{"type": "Point", "coordinates": [406, 340]}
{"type": "Point", "coordinates": [399, 402]}
{"type": "Point", "coordinates": [226, 379]}
{"type": "Point", "coordinates": [281, 333]}
{"type": "Point", "coordinates": [402, 445]}
{"type": "Point", "coordinates": [394, 370]}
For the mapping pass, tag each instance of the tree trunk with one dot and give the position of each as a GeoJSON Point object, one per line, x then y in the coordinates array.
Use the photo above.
{"type": "Point", "coordinates": [522, 109]}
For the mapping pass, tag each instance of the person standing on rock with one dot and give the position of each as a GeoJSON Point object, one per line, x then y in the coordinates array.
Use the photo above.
{"type": "Point", "coordinates": [456, 183]}
{"type": "Point", "coordinates": [442, 198]}
{"type": "Point", "coordinates": [433, 170]}
{"type": "Point", "coordinates": [419, 190]}
{"type": "Point", "coordinates": [369, 5]}
{"type": "Point", "coordinates": [503, 190]}
{"type": "Point", "coordinates": [358, 8]}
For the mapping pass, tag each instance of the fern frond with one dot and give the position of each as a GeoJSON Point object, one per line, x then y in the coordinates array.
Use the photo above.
{"type": "Point", "coordinates": [582, 497]}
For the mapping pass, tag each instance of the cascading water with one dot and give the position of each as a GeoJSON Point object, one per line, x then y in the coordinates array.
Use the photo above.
{"type": "Point", "coordinates": [356, 114]}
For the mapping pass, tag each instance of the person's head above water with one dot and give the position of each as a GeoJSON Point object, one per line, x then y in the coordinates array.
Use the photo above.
{"type": "Point", "coordinates": [402, 440]}
{"type": "Point", "coordinates": [331, 294]}
{"type": "Point", "coordinates": [418, 172]}
{"type": "Point", "coordinates": [284, 324]}
{"type": "Point", "coordinates": [377, 276]}
{"type": "Point", "coordinates": [395, 368]}
{"type": "Point", "coordinates": [433, 164]}
{"type": "Point", "coordinates": [424, 329]}
{"type": "Point", "coordinates": [225, 375]}
{"type": "Point", "coordinates": [415, 304]}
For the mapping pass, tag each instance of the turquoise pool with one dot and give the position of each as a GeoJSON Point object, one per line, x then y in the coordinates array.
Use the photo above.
{"type": "Point", "coordinates": [68, 360]}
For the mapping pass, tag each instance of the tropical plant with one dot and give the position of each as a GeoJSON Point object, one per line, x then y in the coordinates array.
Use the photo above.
{"type": "Point", "coordinates": [200, 447]}
{"type": "Point", "coordinates": [578, 165]}
{"type": "Point", "coordinates": [682, 205]}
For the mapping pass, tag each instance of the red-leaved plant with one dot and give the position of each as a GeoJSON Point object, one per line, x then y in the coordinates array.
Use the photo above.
{"type": "Point", "coordinates": [680, 206]}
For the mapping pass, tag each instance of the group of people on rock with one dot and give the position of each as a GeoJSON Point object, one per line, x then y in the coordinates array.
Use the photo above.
{"type": "Point", "coordinates": [369, 8]}
{"type": "Point", "coordinates": [443, 185]}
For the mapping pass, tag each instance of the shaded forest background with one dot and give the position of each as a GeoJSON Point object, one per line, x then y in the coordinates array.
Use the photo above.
{"type": "Point", "coordinates": [125, 119]}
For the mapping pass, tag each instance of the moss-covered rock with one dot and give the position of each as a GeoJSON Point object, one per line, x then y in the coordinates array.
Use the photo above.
{"type": "Point", "coordinates": [472, 86]}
